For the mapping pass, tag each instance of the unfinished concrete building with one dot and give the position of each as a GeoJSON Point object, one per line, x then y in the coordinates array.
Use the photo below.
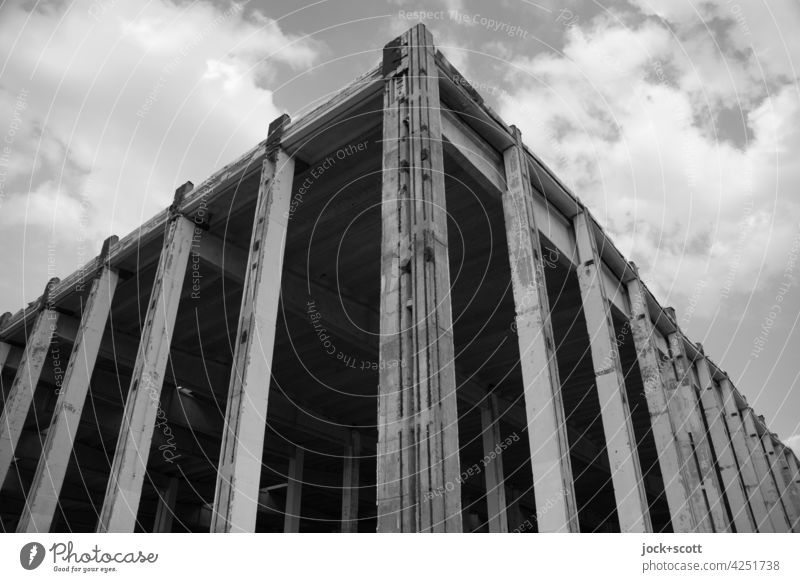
{"type": "Point", "coordinates": [388, 316]}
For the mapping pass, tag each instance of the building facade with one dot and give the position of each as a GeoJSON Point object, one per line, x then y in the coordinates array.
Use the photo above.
{"type": "Point", "coordinates": [389, 315]}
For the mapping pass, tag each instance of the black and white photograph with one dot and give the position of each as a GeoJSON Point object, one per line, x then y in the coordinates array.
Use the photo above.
{"type": "Point", "coordinates": [398, 267]}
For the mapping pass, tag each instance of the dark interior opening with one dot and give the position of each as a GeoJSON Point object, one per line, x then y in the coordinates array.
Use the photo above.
{"type": "Point", "coordinates": [594, 492]}
{"type": "Point", "coordinates": [642, 427]}
{"type": "Point", "coordinates": [487, 350]}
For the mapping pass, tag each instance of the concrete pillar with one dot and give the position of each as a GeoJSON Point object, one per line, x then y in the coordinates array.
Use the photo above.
{"type": "Point", "coordinates": [20, 397]}
{"type": "Point", "coordinates": [729, 472]}
{"type": "Point", "coordinates": [165, 510]}
{"type": "Point", "coordinates": [626, 472]}
{"type": "Point", "coordinates": [294, 493]}
{"type": "Point", "coordinates": [418, 487]}
{"type": "Point", "coordinates": [782, 487]}
{"type": "Point", "coordinates": [685, 409]}
{"type": "Point", "coordinates": [792, 475]}
{"type": "Point", "coordinates": [5, 348]}
{"type": "Point", "coordinates": [239, 471]}
{"type": "Point", "coordinates": [677, 478]}
{"type": "Point", "coordinates": [493, 466]}
{"type": "Point", "coordinates": [37, 515]}
{"type": "Point", "coordinates": [766, 483]}
{"type": "Point", "coordinates": [741, 450]}
{"type": "Point", "coordinates": [544, 407]}
{"type": "Point", "coordinates": [350, 484]}
{"type": "Point", "coordinates": [124, 490]}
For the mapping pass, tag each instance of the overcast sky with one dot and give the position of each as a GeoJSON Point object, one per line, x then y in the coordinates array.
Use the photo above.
{"type": "Point", "coordinates": [677, 122]}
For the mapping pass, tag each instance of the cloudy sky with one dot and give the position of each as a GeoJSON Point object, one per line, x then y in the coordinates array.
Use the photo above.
{"type": "Point", "coordinates": [677, 122]}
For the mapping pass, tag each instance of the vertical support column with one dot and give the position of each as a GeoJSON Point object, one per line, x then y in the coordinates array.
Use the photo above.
{"type": "Point", "coordinates": [741, 449]}
{"type": "Point", "coordinates": [685, 408]}
{"type": "Point", "coordinates": [777, 517]}
{"type": "Point", "coordinates": [544, 407]}
{"type": "Point", "coordinates": [5, 349]}
{"type": "Point", "coordinates": [729, 472]}
{"type": "Point", "coordinates": [294, 493]}
{"type": "Point", "coordinates": [418, 487]}
{"type": "Point", "coordinates": [493, 466]}
{"type": "Point", "coordinates": [37, 515]}
{"type": "Point", "coordinates": [124, 490]}
{"type": "Point", "coordinates": [780, 482]}
{"type": "Point", "coordinates": [792, 475]}
{"type": "Point", "coordinates": [678, 480]}
{"type": "Point", "coordinates": [626, 472]}
{"type": "Point", "coordinates": [350, 484]}
{"type": "Point", "coordinates": [20, 397]}
{"type": "Point", "coordinates": [239, 472]}
{"type": "Point", "coordinates": [165, 511]}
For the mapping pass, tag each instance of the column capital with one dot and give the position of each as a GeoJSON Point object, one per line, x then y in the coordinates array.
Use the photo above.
{"type": "Point", "coordinates": [177, 200]}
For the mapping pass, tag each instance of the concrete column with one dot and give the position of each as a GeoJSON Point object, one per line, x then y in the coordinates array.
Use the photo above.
{"type": "Point", "coordinates": [766, 483]}
{"type": "Point", "coordinates": [493, 466]}
{"type": "Point", "coordinates": [20, 397]}
{"type": "Point", "coordinates": [418, 487]}
{"type": "Point", "coordinates": [124, 490]}
{"type": "Point", "coordinates": [294, 493]}
{"type": "Point", "coordinates": [792, 474]}
{"type": "Point", "coordinates": [5, 348]}
{"type": "Point", "coordinates": [626, 472]}
{"type": "Point", "coordinates": [516, 521]}
{"type": "Point", "coordinates": [782, 487]}
{"type": "Point", "coordinates": [741, 450]}
{"type": "Point", "coordinates": [544, 407]}
{"type": "Point", "coordinates": [685, 410]}
{"type": "Point", "coordinates": [350, 484]}
{"type": "Point", "coordinates": [37, 515]}
{"type": "Point", "coordinates": [239, 472]}
{"type": "Point", "coordinates": [165, 511]}
{"type": "Point", "coordinates": [730, 474]}
{"type": "Point", "coordinates": [678, 485]}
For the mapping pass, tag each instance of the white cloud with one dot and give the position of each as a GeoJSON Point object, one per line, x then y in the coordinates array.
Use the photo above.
{"type": "Point", "coordinates": [627, 116]}
{"type": "Point", "coordinates": [793, 442]}
{"type": "Point", "coordinates": [766, 29]}
{"type": "Point", "coordinates": [44, 206]}
{"type": "Point", "coordinates": [126, 103]}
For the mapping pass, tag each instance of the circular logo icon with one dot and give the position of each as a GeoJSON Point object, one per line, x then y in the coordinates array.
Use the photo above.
{"type": "Point", "coordinates": [31, 555]}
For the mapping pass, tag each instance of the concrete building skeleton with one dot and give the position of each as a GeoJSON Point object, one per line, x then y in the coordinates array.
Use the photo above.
{"type": "Point", "coordinates": [389, 315]}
